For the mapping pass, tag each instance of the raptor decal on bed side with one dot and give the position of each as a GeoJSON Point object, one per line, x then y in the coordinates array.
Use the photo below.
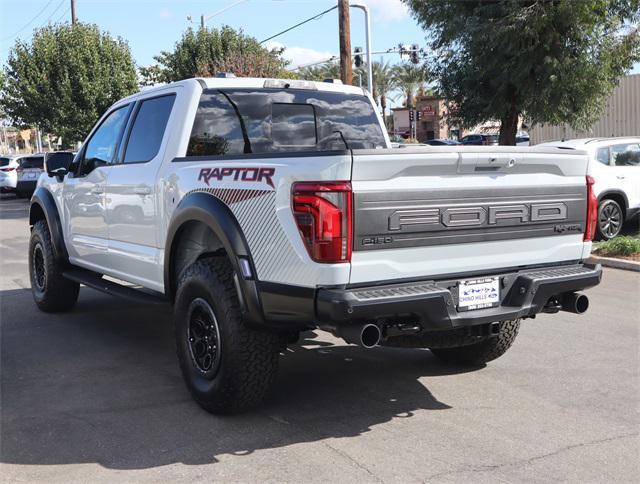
{"type": "Point", "coordinates": [246, 174]}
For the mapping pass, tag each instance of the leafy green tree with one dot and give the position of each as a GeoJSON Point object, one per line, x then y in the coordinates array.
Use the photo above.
{"type": "Point", "coordinates": [206, 52]}
{"type": "Point", "coordinates": [65, 78]}
{"type": "Point", "coordinates": [552, 61]}
{"type": "Point", "coordinates": [410, 79]}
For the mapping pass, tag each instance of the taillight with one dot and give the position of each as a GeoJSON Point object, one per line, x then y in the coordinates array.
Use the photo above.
{"type": "Point", "coordinates": [7, 169]}
{"type": "Point", "coordinates": [592, 211]}
{"type": "Point", "coordinates": [323, 214]}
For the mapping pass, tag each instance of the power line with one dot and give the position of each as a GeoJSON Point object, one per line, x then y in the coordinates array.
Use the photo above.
{"type": "Point", "coordinates": [29, 22]}
{"type": "Point", "coordinates": [222, 10]}
{"type": "Point", "coordinates": [299, 24]}
{"type": "Point", "coordinates": [54, 12]}
{"type": "Point", "coordinates": [64, 14]}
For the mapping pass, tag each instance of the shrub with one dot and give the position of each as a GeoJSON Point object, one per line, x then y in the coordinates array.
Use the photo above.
{"type": "Point", "coordinates": [622, 245]}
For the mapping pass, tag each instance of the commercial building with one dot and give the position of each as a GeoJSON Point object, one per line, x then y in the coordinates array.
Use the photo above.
{"type": "Point", "coordinates": [432, 122]}
{"type": "Point", "coordinates": [620, 117]}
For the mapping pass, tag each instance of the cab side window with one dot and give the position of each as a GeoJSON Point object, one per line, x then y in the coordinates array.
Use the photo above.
{"type": "Point", "coordinates": [626, 154]}
{"type": "Point", "coordinates": [148, 129]}
{"type": "Point", "coordinates": [101, 149]}
{"type": "Point", "coordinates": [603, 155]}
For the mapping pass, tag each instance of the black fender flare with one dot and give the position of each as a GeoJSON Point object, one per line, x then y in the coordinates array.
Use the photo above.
{"type": "Point", "coordinates": [619, 193]}
{"type": "Point", "coordinates": [43, 199]}
{"type": "Point", "coordinates": [215, 214]}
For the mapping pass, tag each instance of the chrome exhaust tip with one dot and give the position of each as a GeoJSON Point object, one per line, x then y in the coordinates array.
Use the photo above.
{"type": "Point", "coordinates": [365, 335]}
{"type": "Point", "coordinates": [370, 336]}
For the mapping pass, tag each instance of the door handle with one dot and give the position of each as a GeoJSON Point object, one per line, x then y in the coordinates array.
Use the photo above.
{"type": "Point", "coordinates": [142, 190]}
{"type": "Point", "coordinates": [620, 177]}
{"type": "Point", "coordinates": [97, 190]}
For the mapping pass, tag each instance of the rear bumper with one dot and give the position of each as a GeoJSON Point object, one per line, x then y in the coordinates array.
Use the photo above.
{"type": "Point", "coordinates": [632, 213]}
{"type": "Point", "coordinates": [433, 303]}
{"type": "Point", "coordinates": [8, 183]}
{"type": "Point", "coordinates": [26, 186]}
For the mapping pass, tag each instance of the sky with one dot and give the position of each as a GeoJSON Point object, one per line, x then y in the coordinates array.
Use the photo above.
{"type": "Point", "coordinates": [151, 26]}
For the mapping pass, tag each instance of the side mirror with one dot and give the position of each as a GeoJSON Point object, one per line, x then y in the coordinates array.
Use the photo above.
{"type": "Point", "coordinates": [57, 164]}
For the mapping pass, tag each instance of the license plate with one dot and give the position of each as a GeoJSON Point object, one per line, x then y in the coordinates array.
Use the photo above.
{"type": "Point", "coordinates": [478, 293]}
{"type": "Point", "coordinates": [31, 176]}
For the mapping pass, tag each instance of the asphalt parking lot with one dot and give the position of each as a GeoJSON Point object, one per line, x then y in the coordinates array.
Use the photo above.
{"type": "Point", "coordinates": [96, 395]}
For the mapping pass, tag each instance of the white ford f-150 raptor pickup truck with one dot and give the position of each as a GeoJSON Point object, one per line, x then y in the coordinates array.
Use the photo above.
{"type": "Point", "coordinates": [262, 208]}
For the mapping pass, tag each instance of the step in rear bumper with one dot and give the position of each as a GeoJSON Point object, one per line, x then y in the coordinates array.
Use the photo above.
{"type": "Point", "coordinates": [433, 303]}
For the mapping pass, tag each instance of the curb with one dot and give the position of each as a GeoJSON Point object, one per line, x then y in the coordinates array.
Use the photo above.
{"type": "Point", "coordinates": [627, 265]}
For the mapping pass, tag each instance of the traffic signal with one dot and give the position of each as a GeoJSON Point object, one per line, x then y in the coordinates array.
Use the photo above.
{"type": "Point", "coordinates": [418, 115]}
{"type": "Point", "coordinates": [411, 115]}
{"type": "Point", "coordinates": [358, 57]}
{"type": "Point", "coordinates": [415, 54]}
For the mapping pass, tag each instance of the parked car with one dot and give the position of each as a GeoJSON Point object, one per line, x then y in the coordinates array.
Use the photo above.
{"type": "Point", "coordinates": [480, 139]}
{"type": "Point", "coordinates": [8, 173]}
{"type": "Point", "coordinates": [31, 167]}
{"type": "Point", "coordinates": [442, 142]}
{"type": "Point", "coordinates": [615, 165]}
{"type": "Point", "coordinates": [522, 139]}
{"type": "Point", "coordinates": [257, 234]}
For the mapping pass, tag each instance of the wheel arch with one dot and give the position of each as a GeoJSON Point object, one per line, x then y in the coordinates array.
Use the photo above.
{"type": "Point", "coordinates": [209, 223]}
{"type": "Point", "coordinates": [617, 195]}
{"type": "Point", "coordinates": [43, 207]}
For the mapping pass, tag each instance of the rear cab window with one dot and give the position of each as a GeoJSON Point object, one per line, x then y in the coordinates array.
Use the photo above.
{"type": "Point", "coordinates": [5, 161]}
{"type": "Point", "coordinates": [259, 121]}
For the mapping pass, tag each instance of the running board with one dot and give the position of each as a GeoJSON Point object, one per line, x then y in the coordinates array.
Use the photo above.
{"type": "Point", "coordinates": [95, 281]}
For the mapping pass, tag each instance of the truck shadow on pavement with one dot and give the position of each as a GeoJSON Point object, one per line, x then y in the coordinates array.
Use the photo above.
{"type": "Point", "coordinates": [101, 385]}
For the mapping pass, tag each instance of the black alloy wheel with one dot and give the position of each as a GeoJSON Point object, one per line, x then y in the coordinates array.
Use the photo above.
{"type": "Point", "coordinates": [38, 268]}
{"type": "Point", "coordinates": [204, 338]}
{"type": "Point", "coordinates": [610, 219]}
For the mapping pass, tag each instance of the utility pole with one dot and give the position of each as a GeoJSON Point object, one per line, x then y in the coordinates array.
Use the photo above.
{"type": "Point", "coordinates": [202, 22]}
{"type": "Point", "coordinates": [73, 12]}
{"type": "Point", "coordinates": [346, 72]}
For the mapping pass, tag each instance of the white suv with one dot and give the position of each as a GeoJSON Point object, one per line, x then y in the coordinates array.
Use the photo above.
{"type": "Point", "coordinates": [8, 173]}
{"type": "Point", "coordinates": [615, 165]}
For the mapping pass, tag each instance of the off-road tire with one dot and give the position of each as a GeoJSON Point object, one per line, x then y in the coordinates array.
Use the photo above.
{"type": "Point", "coordinates": [610, 219]}
{"type": "Point", "coordinates": [247, 360]}
{"type": "Point", "coordinates": [478, 354]}
{"type": "Point", "coordinates": [51, 291]}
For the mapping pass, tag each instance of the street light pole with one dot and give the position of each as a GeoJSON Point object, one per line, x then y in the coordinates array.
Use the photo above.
{"type": "Point", "coordinates": [73, 12]}
{"type": "Point", "coordinates": [367, 19]}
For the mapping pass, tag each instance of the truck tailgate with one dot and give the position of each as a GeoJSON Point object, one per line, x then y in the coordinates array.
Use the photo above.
{"type": "Point", "coordinates": [428, 212]}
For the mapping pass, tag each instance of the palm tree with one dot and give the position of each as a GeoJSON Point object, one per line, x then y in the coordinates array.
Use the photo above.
{"type": "Point", "coordinates": [328, 70]}
{"type": "Point", "coordinates": [384, 82]}
{"type": "Point", "coordinates": [410, 79]}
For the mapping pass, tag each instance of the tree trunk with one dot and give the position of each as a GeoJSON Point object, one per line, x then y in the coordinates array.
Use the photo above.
{"type": "Point", "coordinates": [383, 105]}
{"type": "Point", "coordinates": [509, 127]}
{"type": "Point", "coordinates": [409, 99]}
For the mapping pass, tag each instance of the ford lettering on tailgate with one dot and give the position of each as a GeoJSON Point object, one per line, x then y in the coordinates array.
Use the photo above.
{"type": "Point", "coordinates": [386, 220]}
{"type": "Point", "coordinates": [478, 216]}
